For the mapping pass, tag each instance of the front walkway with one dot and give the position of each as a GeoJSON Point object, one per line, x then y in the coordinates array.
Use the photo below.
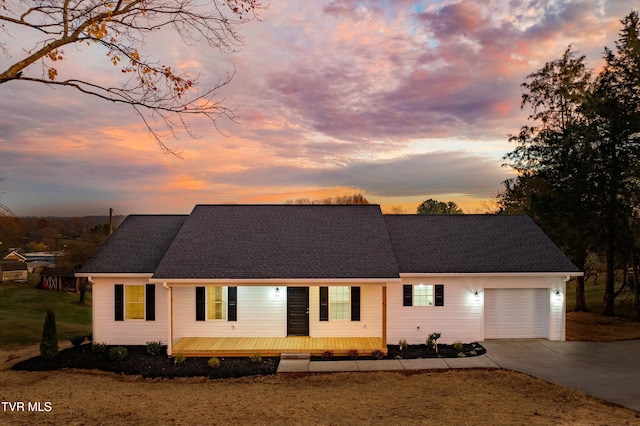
{"type": "Point", "coordinates": [306, 366]}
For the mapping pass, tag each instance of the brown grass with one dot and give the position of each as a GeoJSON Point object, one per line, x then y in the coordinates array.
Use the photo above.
{"type": "Point", "coordinates": [459, 397]}
{"type": "Point", "coordinates": [592, 327]}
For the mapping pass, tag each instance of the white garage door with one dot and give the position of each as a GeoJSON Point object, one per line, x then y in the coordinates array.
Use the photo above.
{"type": "Point", "coordinates": [516, 313]}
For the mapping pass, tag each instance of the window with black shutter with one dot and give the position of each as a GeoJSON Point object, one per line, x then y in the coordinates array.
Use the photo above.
{"type": "Point", "coordinates": [200, 303]}
{"type": "Point", "coordinates": [439, 295]}
{"type": "Point", "coordinates": [150, 302]}
{"type": "Point", "coordinates": [407, 295]}
{"type": "Point", "coordinates": [232, 304]}
{"type": "Point", "coordinates": [355, 303]}
{"type": "Point", "coordinates": [324, 303]}
{"type": "Point", "coordinates": [119, 302]}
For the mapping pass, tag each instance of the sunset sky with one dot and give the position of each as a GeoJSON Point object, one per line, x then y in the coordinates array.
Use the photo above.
{"type": "Point", "coordinates": [399, 100]}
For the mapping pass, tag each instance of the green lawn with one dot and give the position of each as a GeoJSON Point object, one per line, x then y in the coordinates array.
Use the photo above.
{"type": "Point", "coordinates": [23, 308]}
{"type": "Point", "coordinates": [594, 293]}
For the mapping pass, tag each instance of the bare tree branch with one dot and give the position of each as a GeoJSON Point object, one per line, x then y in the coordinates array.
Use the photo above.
{"type": "Point", "coordinates": [122, 27]}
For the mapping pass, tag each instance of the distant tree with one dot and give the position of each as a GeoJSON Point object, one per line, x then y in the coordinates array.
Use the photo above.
{"type": "Point", "coordinates": [397, 209]}
{"type": "Point", "coordinates": [341, 199]}
{"type": "Point", "coordinates": [41, 30]}
{"type": "Point", "coordinates": [431, 206]}
{"type": "Point", "coordinates": [49, 342]}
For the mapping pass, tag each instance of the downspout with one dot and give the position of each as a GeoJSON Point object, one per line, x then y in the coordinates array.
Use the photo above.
{"type": "Point", "coordinates": [170, 313]}
{"type": "Point", "coordinates": [93, 312]}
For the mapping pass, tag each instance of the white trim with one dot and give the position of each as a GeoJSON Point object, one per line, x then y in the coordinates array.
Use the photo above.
{"type": "Point", "coordinates": [271, 281]}
{"type": "Point", "coordinates": [491, 274]}
{"type": "Point", "coordinates": [114, 275]}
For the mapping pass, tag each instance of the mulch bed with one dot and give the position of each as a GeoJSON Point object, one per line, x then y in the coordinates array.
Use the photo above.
{"type": "Point", "coordinates": [139, 362]}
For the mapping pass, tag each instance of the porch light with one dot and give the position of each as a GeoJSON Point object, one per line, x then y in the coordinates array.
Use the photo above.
{"type": "Point", "coordinates": [476, 294]}
{"type": "Point", "coordinates": [277, 291]}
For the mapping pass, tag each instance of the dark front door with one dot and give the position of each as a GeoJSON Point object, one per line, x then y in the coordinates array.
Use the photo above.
{"type": "Point", "coordinates": [297, 311]}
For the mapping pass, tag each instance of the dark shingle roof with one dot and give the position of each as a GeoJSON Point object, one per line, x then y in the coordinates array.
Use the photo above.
{"type": "Point", "coordinates": [281, 241]}
{"type": "Point", "coordinates": [473, 244]}
{"type": "Point", "coordinates": [137, 246]}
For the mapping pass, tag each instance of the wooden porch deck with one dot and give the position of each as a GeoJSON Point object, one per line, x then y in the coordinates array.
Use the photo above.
{"type": "Point", "coordinates": [274, 346]}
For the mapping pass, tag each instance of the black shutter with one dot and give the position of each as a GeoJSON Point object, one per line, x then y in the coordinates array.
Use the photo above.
{"type": "Point", "coordinates": [355, 303]}
{"type": "Point", "coordinates": [407, 295]}
{"type": "Point", "coordinates": [200, 304]}
{"type": "Point", "coordinates": [150, 302]}
{"type": "Point", "coordinates": [119, 302]}
{"type": "Point", "coordinates": [324, 303]}
{"type": "Point", "coordinates": [439, 295]}
{"type": "Point", "coordinates": [232, 304]}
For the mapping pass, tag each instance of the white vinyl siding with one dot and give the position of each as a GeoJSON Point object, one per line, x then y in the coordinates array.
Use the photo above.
{"type": "Point", "coordinates": [370, 324]}
{"type": "Point", "coordinates": [463, 315]}
{"type": "Point", "coordinates": [107, 330]}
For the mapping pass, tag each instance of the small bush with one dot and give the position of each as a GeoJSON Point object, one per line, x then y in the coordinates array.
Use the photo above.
{"type": "Point", "coordinates": [117, 353]}
{"type": "Point", "coordinates": [461, 355]}
{"type": "Point", "coordinates": [98, 348]}
{"type": "Point", "coordinates": [432, 341]}
{"type": "Point", "coordinates": [77, 340]}
{"type": "Point", "coordinates": [458, 345]}
{"type": "Point", "coordinates": [154, 348]}
{"type": "Point", "coordinates": [327, 355]}
{"type": "Point", "coordinates": [403, 344]}
{"type": "Point", "coordinates": [473, 353]}
{"type": "Point", "coordinates": [353, 354]}
{"type": "Point", "coordinates": [213, 362]}
{"type": "Point", "coordinates": [179, 358]}
{"type": "Point", "coordinates": [377, 354]}
{"type": "Point", "coordinates": [256, 358]}
{"type": "Point", "coordinates": [49, 342]}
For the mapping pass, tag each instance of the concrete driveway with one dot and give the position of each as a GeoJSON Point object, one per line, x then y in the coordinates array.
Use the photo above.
{"type": "Point", "coordinates": [609, 371]}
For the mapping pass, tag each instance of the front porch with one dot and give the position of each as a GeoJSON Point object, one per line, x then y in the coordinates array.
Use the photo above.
{"type": "Point", "coordinates": [274, 346]}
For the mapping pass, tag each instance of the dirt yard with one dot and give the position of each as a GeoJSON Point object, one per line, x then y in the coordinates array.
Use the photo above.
{"type": "Point", "coordinates": [452, 397]}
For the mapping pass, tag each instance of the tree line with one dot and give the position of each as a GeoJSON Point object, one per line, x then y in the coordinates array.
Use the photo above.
{"type": "Point", "coordinates": [578, 158]}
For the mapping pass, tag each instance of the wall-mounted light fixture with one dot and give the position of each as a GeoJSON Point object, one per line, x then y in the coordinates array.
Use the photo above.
{"type": "Point", "coordinates": [277, 291]}
{"type": "Point", "coordinates": [476, 294]}
{"type": "Point", "coordinates": [558, 293]}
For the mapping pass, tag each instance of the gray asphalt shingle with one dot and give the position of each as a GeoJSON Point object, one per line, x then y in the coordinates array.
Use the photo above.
{"type": "Point", "coordinates": [281, 241]}
{"type": "Point", "coordinates": [323, 242]}
{"type": "Point", "coordinates": [137, 245]}
{"type": "Point", "coordinates": [473, 244]}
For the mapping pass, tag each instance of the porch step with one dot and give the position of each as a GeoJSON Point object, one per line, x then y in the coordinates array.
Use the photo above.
{"type": "Point", "coordinates": [294, 356]}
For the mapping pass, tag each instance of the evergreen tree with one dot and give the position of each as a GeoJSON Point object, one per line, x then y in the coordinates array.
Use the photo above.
{"type": "Point", "coordinates": [49, 342]}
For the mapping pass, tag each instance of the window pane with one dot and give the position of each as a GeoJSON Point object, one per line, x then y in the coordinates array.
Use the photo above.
{"type": "Point", "coordinates": [423, 295]}
{"type": "Point", "coordinates": [134, 302]}
{"type": "Point", "coordinates": [216, 303]}
{"type": "Point", "coordinates": [339, 303]}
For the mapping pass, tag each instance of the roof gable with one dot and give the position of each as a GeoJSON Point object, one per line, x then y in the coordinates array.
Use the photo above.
{"type": "Point", "coordinates": [136, 246]}
{"type": "Point", "coordinates": [473, 244]}
{"type": "Point", "coordinates": [280, 241]}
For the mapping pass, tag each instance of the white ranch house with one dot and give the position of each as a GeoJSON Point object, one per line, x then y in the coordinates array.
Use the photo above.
{"type": "Point", "coordinates": [238, 279]}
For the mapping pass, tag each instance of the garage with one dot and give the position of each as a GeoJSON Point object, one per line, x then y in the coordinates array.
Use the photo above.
{"type": "Point", "coordinates": [516, 313]}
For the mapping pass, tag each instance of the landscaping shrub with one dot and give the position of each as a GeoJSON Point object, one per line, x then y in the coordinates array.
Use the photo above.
{"type": "Point", "coordinates": [98, 348]}
{"type": "Point", "coordinates": [77, 340]}
{"type": "Point", "coordinates": [117, 353]}
{"type": "Point", "coordinates": [256, 358]}
{"type": "Point", "coordinates": [179, 358]}
{"type": "Point", "coordinates": [432, 341]}
{"type": "Point", "coordinates": [327, 355]}
{"type": "Point", "coordinates": [213, 362]}
{"type": "Point", "coordinates": [155, 348]}
{"type": "Point", "coordinates": [49, 342]}
{"type": "Point", "coordinates": [377, 354]}
{"type": "Point", "coordinates": [403, 345]}
{"type": "Point", "coordinates": [458, 345]}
